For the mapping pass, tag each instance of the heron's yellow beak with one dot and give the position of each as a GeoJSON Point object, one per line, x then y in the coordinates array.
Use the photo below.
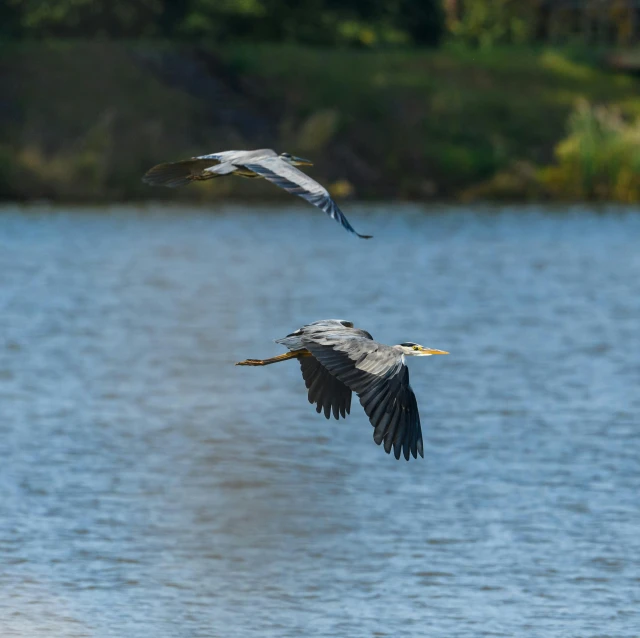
{"type": "Point", "coordinates": [433, 351]}
{"type": "Point", "coordinates": [300, 161]}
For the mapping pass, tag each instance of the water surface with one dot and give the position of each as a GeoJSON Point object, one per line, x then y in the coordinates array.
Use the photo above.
{"type": "Point", "coordinates": [150, 488]}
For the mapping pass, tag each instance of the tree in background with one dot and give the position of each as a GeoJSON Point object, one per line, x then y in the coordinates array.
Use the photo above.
{"type": "Point", "coordinates": [488, 22]}
{"type": "Point", "coordinates": [87, 18]}
{"type": "Point", "coordinates": [326, 22]}
{"type": "Point", "coordinates": [9, 20]}
{"type": "Point", "coordinates": [424, 21]}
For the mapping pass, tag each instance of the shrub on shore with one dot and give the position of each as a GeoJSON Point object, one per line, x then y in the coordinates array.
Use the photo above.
{"type": "Point", "coordinates": [599, 159]}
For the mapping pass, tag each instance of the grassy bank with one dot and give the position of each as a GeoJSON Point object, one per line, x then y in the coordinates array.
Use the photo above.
{"type": "Point", "coordinates": [83, 121]}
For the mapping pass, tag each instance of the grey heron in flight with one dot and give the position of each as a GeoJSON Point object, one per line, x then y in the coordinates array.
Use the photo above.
{"type": "Point", "coordinates": [338, 359]}
{"type": "Point", "coordinates": [279, 169]}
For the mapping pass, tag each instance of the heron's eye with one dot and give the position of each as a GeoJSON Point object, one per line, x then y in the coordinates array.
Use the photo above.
{"type": "Point", "coordinates": [416, 347]}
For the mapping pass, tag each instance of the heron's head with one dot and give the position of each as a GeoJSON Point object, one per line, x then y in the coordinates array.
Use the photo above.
{"type": "Point", "coordinates": [295, 161]}
{"type": "Point", "coordinates": [416, 350]}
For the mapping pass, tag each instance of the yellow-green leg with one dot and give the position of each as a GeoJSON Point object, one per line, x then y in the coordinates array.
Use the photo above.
{"type": "Point", "coordinates": [294, 354]}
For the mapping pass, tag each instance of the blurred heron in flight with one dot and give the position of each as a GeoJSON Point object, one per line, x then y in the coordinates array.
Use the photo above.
{"type": "Point", "coordinates": [279, 169]}
{"type": "Point", "coordinates": [338, 359]}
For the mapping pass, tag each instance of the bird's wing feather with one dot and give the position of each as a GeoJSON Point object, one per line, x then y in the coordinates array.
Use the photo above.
{"type": "Point", "coordinates": [325, 390]}
{"type": "Point", "coordinates": [296, 182]}
{"type": "Point", "coordinates": [242, 157]}
{"type": "Point", "coordinates": [174, 174]}
{"type": "Point", "coordinates": [318, 329]}
{"type": "Point", "coordinates": [378, 375]}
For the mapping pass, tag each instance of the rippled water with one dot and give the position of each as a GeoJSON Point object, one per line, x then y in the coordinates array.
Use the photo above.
{"type": "Point", "coordinates": [151, 488]}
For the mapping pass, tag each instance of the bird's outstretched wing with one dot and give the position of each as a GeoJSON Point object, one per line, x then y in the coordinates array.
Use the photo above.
{"type": "Point", "coordinates": [298, 183]}
{"type": "Point", "coordinates": [377, 374]}
{"type": "Point", "coordinates": [174, 174]}
{"type": "Point", "coordinates": [325, 390]}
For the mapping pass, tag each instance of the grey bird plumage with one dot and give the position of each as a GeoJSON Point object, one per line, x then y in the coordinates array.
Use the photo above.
{"type": "Point", "coordinates": [262, 163]}
{"type": "Point", "coordinates": [337, 359]}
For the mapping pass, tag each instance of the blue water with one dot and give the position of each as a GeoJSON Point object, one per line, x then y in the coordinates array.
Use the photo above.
{"type": "Point", "coordinates": [151, 488]}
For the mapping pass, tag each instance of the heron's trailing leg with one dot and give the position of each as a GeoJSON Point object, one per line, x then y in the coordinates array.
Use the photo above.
{"type": "Point", "coordinates": [294, 354]}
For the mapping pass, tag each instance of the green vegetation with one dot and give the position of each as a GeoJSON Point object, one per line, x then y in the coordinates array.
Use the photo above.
{"type": "Point", "coordinates": [84, 120]}
{"type": "Point", "coordinates": [361, 23]}
{"type": "Point", "coordinates": [437, 122]}
{"type": "Point", "coordinates": [487, 23]}
{"type": "Point", "coordinates": [599, 160]}
{"type": "Point", "coordinates": [96, 91]}
{"type": "Point", "coordinates": [328, 22]}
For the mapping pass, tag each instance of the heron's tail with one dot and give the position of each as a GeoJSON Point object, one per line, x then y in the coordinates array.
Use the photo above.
{"type": "Point", "coordinates": [174, 174]}
{"type": "Point", "coordinates": [294, 354]}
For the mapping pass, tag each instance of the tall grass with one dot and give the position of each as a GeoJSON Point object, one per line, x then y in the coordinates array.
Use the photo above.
{"type": "Point", "coordinates": [600, 158]}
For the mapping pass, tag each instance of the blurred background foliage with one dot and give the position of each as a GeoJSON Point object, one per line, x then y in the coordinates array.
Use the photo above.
{"type": "Point", "coordinates": [366, 23]}
{"type": "Point", "coordinates": [486, 23]}
{"type": "Point", "coordinates": [393, 98]}
{"type": "Point", "coordinates": [599, 159]}
{"type": "Point", "coordinates": [318, 22]}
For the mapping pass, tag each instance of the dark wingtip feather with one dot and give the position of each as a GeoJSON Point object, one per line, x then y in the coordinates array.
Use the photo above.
{"type": "Point", "coordinates": [171, 174]}
{"type": "Point", "coordinates": [327, 392]}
